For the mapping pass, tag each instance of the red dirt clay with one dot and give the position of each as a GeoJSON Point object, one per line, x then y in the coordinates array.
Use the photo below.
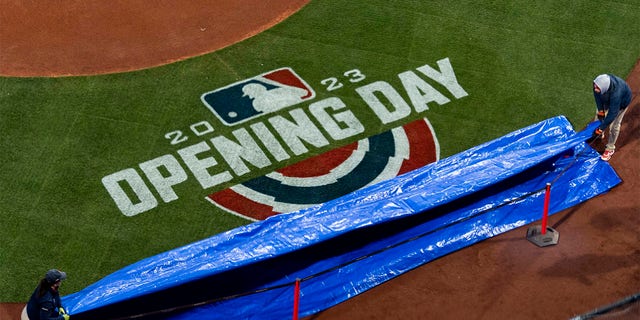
{"type": "Point", "coordinates": [86, 37]}
{"type": "Point", "coordinates": [595, 263]}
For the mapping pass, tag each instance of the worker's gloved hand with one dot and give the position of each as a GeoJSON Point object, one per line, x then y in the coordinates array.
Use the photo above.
{"type": "Point", "coordinates": [601, 115]}
{"type": "Point", "coordinates": [597, 134]}
{"type": "Point", "coordinates": [61, 311]}
{"type": "Point", "coordinates": [66, 316]}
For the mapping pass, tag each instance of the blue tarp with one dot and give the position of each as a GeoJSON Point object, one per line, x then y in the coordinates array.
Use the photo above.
{"type": "Point", "coordinates": [348, 245]}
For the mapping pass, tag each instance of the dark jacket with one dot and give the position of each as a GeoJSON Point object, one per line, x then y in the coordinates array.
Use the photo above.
{"type": "Point", "coordinates": [45, 307]}
{"type": "Point", "coordinates": [616, 99]}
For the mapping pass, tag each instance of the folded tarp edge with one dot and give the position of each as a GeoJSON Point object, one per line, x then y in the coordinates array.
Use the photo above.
{"type": "Point", "coordinates": [446, 180]}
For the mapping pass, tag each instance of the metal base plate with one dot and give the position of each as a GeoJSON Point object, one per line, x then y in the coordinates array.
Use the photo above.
{"type": "Point", "coordinates": [534, 234]}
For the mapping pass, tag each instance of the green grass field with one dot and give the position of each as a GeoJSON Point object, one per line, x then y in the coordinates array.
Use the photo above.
{"type": "Point", "coordinates": [519, 61]}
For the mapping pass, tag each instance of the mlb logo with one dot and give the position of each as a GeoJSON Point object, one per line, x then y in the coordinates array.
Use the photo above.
{"type": "Point", "coordinates": [257, 96]}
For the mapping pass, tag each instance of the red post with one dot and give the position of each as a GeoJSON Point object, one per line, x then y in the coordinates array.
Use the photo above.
{"type": "Point", "coordinates": [296, 299]}
{"type": "Point", "coordinates": [545, 214]}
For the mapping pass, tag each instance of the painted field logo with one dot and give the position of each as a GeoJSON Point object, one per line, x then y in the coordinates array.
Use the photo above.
{"type": "Point", "coordinates": [340, 171]}
{"type": "Point", "coordinates": [283, 121]}
{"type": "Point", "coordinates": [332, 174]}
{"type": "Point", "coordinates": [266, 93]}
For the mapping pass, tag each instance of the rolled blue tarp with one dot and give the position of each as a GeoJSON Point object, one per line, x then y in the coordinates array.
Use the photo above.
{"type": "Point", "coordinates": [353, 243]}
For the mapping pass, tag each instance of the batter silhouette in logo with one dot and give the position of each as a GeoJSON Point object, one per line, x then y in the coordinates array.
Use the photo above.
{"type": "Point", "coordinates": [265, 100]}
{"type": "Point", "coordinates": [256, 96]}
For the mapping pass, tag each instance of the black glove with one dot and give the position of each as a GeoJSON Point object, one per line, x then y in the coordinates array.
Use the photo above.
{"type": "Point", "coordinates": [600, 115]}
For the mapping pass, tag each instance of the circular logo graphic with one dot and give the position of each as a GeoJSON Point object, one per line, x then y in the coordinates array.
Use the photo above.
{"type": "Point", "coordinates": [332, 174]}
